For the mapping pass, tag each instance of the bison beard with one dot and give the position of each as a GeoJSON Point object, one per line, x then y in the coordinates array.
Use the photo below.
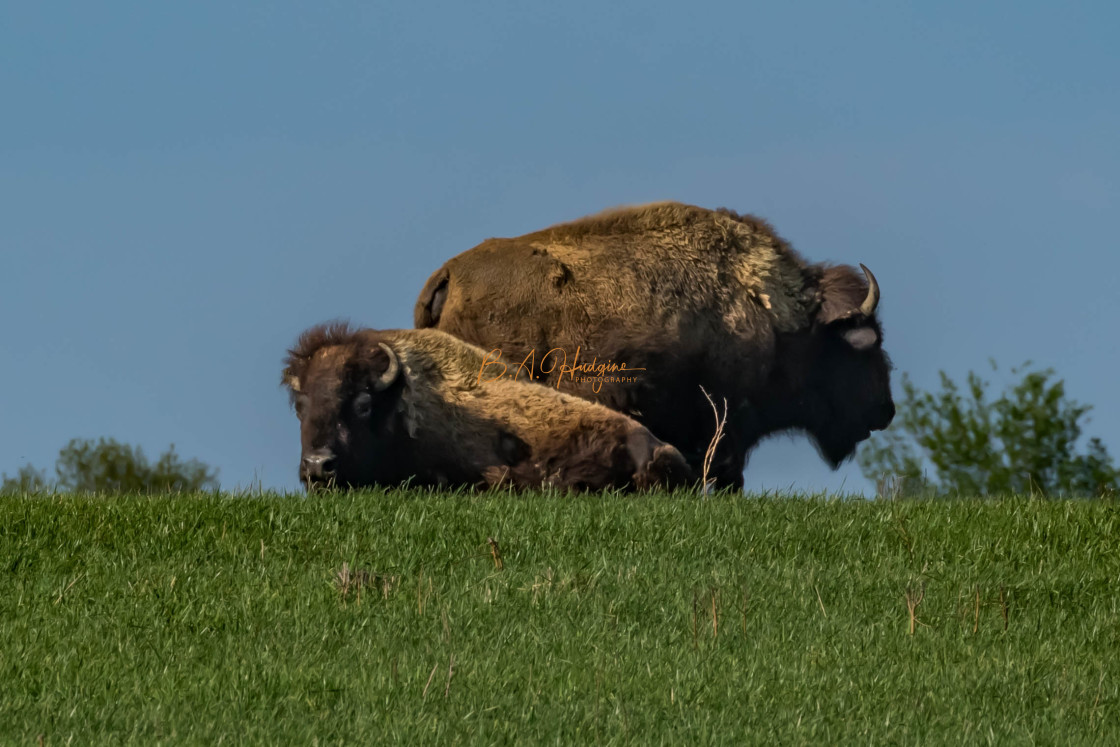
{"type": "Point", "coordinates": [388, 407]}
{"type": "Point", "coordinates": [696, 298]}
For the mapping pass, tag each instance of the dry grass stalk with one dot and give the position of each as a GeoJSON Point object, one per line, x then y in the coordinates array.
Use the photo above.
{"type": "Point", "coordinates": [68, 587]}
{"type": "Point", "coordinates": [344, 579]}
{"type": "Point", "coordinates": [424, 695]}
{"type": "Point", "coordinates": [1003, 604]}
{"type": "Point", "coordinates": [913, 599]}
{"type": "Point", "coordinates": [820, 601]}
{"type": "Point", "coordinates": [744, 610]}
{"type": "Point", "coordinates": [355, 579]}
{"type": "Point", "coordinates": [450, 673]}
{"type": "Point", "coordinates": [1097, 702]}
{"type": "Point", "coordinates": [695, 610]}
{"type": "Point", "coordinates": [502, 480]}
{"type": "Point", "coordinates": [976, 617]}
{"type": "Point", "coordinates": [330, 486]}
{"type": "Point", "coordinates": [717, 436]}
{"type": "Point", "coordinates": [496, 553]}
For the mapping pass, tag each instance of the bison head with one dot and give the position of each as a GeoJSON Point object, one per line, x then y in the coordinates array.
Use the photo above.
{"type": "Point", "coordinates": [344, 387]}
{"type": "Point", "coordinates": [836, 378]}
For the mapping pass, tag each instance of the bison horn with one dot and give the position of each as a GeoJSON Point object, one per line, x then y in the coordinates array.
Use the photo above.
{"type": "Point", "coordinates": [867, 308]}
{"type": "Point", "coordinates": [385, 380]}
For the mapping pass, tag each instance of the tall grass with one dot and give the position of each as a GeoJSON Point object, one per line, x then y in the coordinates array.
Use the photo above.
{"type": "Point", "coordinates": [433, 618]}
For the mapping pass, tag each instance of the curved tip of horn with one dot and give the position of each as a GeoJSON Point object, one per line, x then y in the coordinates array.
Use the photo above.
{"type": "Point", "coordinates": [867, 308]}
{"type": "Point", "coordinates": [385, 380]}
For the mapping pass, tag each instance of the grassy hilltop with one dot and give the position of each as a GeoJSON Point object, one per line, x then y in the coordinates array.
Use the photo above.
{"type": "Point", "coordinates": [384, 616]}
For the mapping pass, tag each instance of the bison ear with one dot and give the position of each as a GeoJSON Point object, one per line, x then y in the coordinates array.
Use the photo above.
{"type": "Point", "coordinates": [291, 381]}
{"type": "Point", "coordinates": [861, 338]}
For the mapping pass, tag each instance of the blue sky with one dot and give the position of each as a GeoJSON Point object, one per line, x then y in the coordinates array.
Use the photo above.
{"type": "Point", "coordinates": [184, 188]}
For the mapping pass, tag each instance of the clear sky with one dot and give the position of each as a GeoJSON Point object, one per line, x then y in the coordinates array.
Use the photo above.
{"type": "Point", "coordinates": [185, 187]}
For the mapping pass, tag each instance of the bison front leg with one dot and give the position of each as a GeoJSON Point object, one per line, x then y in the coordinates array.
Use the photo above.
{"type": "Point", "coordinates": [656, 464]}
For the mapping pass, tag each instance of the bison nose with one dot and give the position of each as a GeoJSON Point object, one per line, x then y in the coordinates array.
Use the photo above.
{"type": "Point", "coordinates": [318, 465]}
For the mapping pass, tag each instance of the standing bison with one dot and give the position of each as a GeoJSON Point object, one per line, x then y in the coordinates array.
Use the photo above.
{"type": "Point", "coordinates": [386, 407]}
{"type": "Point", "coordinates": [664, 299]}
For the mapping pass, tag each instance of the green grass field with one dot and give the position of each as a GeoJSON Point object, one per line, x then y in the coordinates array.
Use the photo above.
{"type": "Point", "coordinates": [645, 620]}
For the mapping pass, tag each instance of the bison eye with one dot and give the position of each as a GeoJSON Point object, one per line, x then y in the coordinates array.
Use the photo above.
{"type": "Point", "coordinates": [363, 405]}
{"type": "Point", "coordinates": [301, 405]}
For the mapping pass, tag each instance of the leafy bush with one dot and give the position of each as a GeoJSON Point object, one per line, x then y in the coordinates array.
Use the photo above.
{"type": "Point", "coordinates": [105, 465]}
{"type": "Point", "coordinates": [1024, 441]}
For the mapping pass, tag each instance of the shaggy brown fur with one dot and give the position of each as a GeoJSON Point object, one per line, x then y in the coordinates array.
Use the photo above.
{"type": "Point", "coordinates": [696, 297]}
{"type": "Point", "coordinates": [440, 421]}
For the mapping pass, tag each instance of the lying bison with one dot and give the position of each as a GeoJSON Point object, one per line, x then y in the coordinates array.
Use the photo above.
{"type": "Point", "coordinates": [660, 300]}
{"type": "Point", "coordinates": [386, 407]}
